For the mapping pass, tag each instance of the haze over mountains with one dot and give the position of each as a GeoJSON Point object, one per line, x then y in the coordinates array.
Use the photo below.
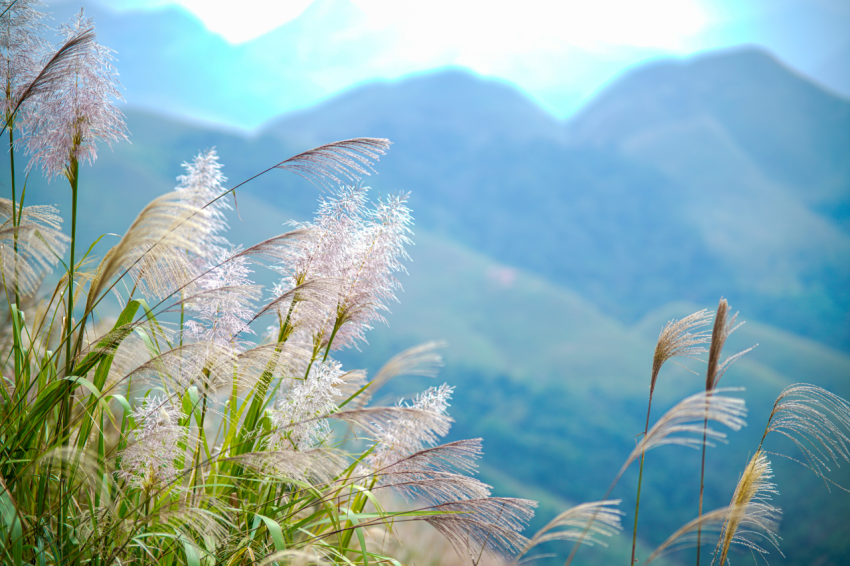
{"type": "Point", "coordinates": [549, 254]}
{"type": "Point", "coordinates": [171, 63]}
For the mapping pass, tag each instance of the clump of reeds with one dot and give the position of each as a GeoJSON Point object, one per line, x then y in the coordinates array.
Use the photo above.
{"type": "Point", "coordinates": [163, 441]}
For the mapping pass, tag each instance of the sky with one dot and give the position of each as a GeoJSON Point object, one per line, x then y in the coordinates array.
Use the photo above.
{"type": "Point", "coordinates": [473, 24]}
{"type": "Point", "coordinates": [560, 53]}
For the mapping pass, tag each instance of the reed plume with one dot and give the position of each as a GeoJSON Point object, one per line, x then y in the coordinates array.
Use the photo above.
{"type": "Point", "coordinates": [675, 339]}
{"type": "Point", "coordinates": [583, 524]}
{"type": "Point", "coordinates": [724, 326]}
{"type": "Point", "coordinates": [817, 422]}
{"type": "Point", "coordinates": [750, 510]}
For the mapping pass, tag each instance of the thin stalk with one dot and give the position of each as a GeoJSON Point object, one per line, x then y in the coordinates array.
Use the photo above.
{"type": "Point", "coordinates": [66, 398]}
{"type": "Point", "coordinates": [15, 214]}
{"type": "Point", "coordinates": [640, 480]}
{"type": "Point", "coordinates": [15, 222]}
{"type": "Point", "coordinates": [72, 178]}
{"type": "Point", "coordinates": [701, 488]}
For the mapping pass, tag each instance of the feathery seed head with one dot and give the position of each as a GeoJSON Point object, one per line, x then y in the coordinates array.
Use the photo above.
{"type": "Point", "coordinates": [30, 250]}
{"type": "Point", "coordinates": [582, 523]}
{"type": "Point", "coordinates": [422, 360]}
{"type": "Point", "coordinates": [358, 248]}
{"type": "Point", "coordinates": [223, 307]}
{"type": "Point", "coordinates": [21, 48]}
{"type": "Point", "coordinates": [149, 462]}
{"type": "Point", "coordinates": [676, 339]}
{"type": "Point", "coordinates": [297, 416]}
{"type": "Point", "coordinates": [200, 186]}
{"type": "Point", "coordinates": [750, 509]}
{"type": "Point", "coordinates": [817, 422]}
{"type": "Point", "coordinates": [490, 525]}
{"type": "Point", "coordinates": [76, 111]}
{"type": "Point", "coordinates": [688, 417]}
{"type": "Point", "coordinates": [724, 326]}
{"type": "Point", "coordinates": [345, 161]}
{"type": "Point", "coordinates": [407, 436]}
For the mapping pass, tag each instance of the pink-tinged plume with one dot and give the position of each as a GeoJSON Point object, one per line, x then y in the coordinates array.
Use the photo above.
{"type": "Point", "coordinates": [66, 120]}
{"type": "Point", "coordinates": [21, 49]}
{"type": "Point", "coordinates": [200, 186]}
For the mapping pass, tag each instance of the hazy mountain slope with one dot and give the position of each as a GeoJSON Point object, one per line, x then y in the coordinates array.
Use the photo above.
{"type": "Point", "coordinates": [799, 134]}
{"type": "Point", "coordinates": [673, 183]}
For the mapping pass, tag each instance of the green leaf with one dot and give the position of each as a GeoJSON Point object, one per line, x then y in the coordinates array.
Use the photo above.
{"type": "Point", "coordinates": [12, 530]}
{"type": "Point", "coordinates": [275, 532]}
{"type": "Point", "coordinates": [361, 538]}
{"type": "Point", "coordinates": [192, 557]}
{"type": "Point", "coordinates": [104, 348]}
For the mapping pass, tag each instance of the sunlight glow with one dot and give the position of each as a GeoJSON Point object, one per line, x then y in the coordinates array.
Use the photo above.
{"type": "Point", "coordinates": [472, 27]}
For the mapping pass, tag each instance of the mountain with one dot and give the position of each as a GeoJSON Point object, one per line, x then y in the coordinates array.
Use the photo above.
{"type": "Point", "coordinates": [550, 254]}
{"type": "Point", "coordinates": [661, 187]}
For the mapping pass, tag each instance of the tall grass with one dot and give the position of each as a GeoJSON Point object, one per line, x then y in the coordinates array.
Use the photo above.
{"type": "Point", "coordinates": [207, 422]}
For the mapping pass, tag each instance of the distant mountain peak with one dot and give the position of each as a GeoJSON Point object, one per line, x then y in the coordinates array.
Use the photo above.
{"type": "Point", "coordinates": [444, 99]}
{"type": "Point", "coordinates": [735, 87]}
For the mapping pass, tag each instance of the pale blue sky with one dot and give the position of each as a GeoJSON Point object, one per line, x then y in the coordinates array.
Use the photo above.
{"type": "Point", "coordinates": [560, 53]}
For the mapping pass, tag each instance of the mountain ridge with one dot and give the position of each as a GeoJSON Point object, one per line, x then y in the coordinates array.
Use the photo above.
{"type": "Point", "coordinates": [695, 180]}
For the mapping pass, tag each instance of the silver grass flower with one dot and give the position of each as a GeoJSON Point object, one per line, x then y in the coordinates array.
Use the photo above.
{"type": "Point", "coordinates": [321, 253]}
{"type": "Point", "coordinates": [724, 326]}
{"type": "Point", "coordinates": [583, 523]}
{"type": "Point", "coordinates": [304, 306]}
{"type": "Point", "coordinates": [203, 365]}
{"type": "Point", "coordinates": [370, 283]}
{"type": "Point", "coordinates": [21, 49]}
{"type": "Point", "coordinates": [149, 462]}
{"type": "Point", "coordinates": [224, 307]}
{"type": "Point", "coordinates": [298, 416]}
{"type": "Point", "coordinates": [421, 360]}
{"type": "Point", "coordinates": [407, 436]}
{"type": "Point", "coordinates": [688, 418]}
{"type": "Point", "coordinates": [677, 339]}
{"type": "Point", "coordinates": [30, 250]}
{"type": "Point", "coordinates": [316, 465]}
{"type": "Point", "coordinates": [155, 249]}
{"type": "Point", "coordinates": [750, 510]}
{"type": "Point", "coordinates": [77, 110]}
{"type": "Point", "coordinates": [376, 420]}
{"type": "Point", "coordinates": [324, 250]}
{"type": "Point", "coordinates": [357, 248]}
{"type": "Point", "coordinates": [345, 161]}
{"type": "Point", "coordinates": [431, 474]}
{"type": "Point", "coordinates": [278, 249]}
{"type": "Point", "coordinates": [478, 526]}
{"type": "Point", "coordinates": [459, 455]}
{"type": "Point", "coordinates": [200, 517]}
{"type": "Point", "coordinates": [287, 359]}
{"type": "Point", "coordinates": [434, 487]}
{"type": "Point", "coordinates": [200, 186]}
{"type": "Point", "coordinates": [712, 522]}
{"type": "Point", "coordinates": [817, 422]}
